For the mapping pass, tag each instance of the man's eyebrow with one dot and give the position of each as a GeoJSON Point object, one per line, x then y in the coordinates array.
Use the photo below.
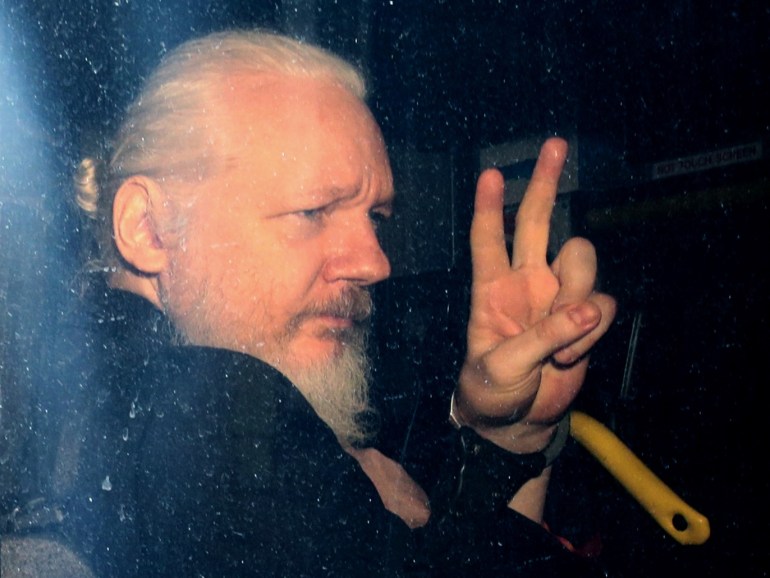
{"type": "Point", "coordinates": [329, 194]}
{"type": "Point", "coordinates": [338, 193]}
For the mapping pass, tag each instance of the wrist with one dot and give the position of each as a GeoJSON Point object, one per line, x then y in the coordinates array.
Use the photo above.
{"type": "Point", "coordinates": [520, 437]}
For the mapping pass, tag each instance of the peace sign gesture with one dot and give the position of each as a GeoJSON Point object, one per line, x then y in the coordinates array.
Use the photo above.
{"type": "Point", "coordinates": [532, 323]}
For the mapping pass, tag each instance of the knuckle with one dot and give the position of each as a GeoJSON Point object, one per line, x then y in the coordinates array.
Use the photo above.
{"type": "Point", "coordinates": [580, 245]}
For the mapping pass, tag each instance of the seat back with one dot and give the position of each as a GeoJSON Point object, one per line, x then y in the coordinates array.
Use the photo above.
{"type": "Point", "coordinates": [39, 556]}
{"type": "Point", "coordinates": [33, 398]}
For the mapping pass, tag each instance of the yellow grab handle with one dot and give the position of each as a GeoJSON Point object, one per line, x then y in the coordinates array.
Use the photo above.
{"type": "Point", "coordinates": [668, 509]}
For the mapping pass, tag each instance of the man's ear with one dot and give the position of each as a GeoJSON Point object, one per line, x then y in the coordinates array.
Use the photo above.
{"type": "Point", "coordinates": [135, 214]}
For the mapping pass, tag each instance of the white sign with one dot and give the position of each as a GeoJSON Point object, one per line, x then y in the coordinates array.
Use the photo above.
{"type": "Point", "coordinates": [705, 161]}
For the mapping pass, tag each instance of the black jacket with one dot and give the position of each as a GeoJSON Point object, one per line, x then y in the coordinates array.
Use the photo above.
{"type": "Point", "coordinates": [206, 462]}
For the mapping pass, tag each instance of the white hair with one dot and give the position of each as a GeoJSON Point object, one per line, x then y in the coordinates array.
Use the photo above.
{"type": "Point", "coordinates": [165, 132]}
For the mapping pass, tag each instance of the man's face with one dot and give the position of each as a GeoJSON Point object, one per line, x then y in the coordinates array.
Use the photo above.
{"type": "Point", "coordinates": [280, 246]}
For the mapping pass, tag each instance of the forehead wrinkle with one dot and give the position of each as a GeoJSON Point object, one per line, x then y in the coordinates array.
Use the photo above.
{"type": "Point", "coordinates": [370, 180]}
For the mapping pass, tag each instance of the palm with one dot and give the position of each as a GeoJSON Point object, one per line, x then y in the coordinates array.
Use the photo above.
{"type": "Point", "coordinates": [497, 316]}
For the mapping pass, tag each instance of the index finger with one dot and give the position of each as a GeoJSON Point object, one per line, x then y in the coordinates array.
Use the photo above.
{"type": "Point", "coordinates": [488, 252]}
{"type": "Point", "coordinates": [533, 219]}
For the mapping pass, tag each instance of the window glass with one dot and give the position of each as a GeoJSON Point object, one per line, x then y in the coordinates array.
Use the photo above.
{"type": "Point", "coordinates": [664, 106]}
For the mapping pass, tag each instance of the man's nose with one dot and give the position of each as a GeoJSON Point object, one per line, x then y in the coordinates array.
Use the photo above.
{"type": "Point", "coordinates": [356, 256]}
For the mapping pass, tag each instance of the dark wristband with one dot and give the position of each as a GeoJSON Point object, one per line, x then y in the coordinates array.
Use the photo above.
{"type": "Point", "coordinates": [489, 476]}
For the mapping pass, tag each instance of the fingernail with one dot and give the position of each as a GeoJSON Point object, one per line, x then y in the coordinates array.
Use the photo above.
{"type": "Point", "coordinates": [584, 315]}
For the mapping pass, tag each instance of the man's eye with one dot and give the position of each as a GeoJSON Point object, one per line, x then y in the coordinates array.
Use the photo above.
{"type": "Point", "coordinates": [311, 214]}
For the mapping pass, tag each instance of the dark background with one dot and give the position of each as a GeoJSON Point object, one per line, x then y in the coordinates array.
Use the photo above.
{"type": "Point", "coordinates": [632, 83]}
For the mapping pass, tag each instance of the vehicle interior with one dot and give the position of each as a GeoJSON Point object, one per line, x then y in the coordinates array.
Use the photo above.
{"type": "Point", "coordinates": [664, 106]}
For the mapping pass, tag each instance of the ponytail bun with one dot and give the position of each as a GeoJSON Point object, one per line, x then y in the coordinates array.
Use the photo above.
{"type": "Point", "coordinates": [87, 186]}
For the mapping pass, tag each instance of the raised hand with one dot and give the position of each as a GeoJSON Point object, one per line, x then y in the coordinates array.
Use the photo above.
{"type": "Point", "coordinates": [532, 323]}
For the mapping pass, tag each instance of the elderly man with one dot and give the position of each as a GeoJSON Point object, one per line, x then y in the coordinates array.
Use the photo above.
{"type": "Point", "coordinates": [236, 219]}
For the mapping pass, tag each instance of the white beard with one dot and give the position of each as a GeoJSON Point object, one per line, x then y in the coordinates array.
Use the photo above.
{"type": "Point", "coordinates": [337, 388]}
